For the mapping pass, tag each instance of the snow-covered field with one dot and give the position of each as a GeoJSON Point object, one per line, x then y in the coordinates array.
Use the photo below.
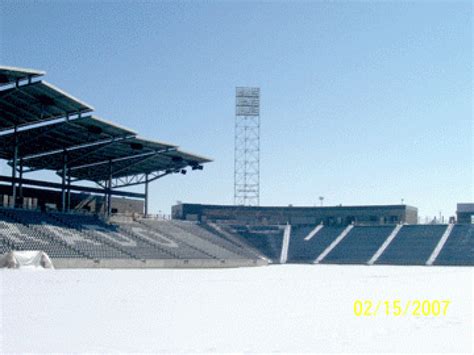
{"type": "Point", "coordinates": [287, 308]}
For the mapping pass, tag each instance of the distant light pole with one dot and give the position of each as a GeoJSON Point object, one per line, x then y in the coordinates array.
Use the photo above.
{"type": "Point", "coordinates": [321, 198]}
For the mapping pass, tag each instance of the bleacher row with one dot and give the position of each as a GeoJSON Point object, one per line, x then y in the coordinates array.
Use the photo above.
{"type": "Point", "coordinates": [407, 245]}
{"type": "Point", "coordinates": [66, 236]}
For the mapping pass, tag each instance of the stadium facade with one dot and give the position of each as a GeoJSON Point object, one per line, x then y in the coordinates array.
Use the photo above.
{"type": "Point", "coordinates": [329, 216]}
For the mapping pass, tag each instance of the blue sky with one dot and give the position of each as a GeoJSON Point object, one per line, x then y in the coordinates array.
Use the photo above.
{"type": "Point", "coordinates": [362, 102]}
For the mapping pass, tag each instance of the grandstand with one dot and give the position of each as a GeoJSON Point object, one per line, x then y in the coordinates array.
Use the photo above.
{"type": "Point", "coordinates": [140, 243]}
{"type": "Point", "coordinates": [44, 128]}
{"type": "Point", "coordinates": [353, 244]}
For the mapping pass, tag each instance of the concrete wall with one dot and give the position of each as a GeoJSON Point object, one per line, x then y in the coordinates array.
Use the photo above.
{"type": "Point", "coordinates": [155, 263]}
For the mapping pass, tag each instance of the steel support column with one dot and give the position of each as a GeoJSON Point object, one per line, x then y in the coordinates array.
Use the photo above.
{"type": "Point", "coordinates": [109, 198]}
{"type": "Point", "coordinates": [109, 195]}
{"type": "Point", "coordinates": [105, 199]}
{"type": "Point", "coordinates": [20, 183]}
{"type": "Point", "coordinates": [15, 160]}
{"type": "Point", "coordinates": [146, 195]}
{"type": "Point", "coordinates": [68, 204]}
{"type": "Point", "coordinates": [63, 183]}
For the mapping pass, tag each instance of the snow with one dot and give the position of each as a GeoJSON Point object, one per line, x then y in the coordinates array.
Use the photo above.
{"type": "Point", "coordinates": [279, 308]}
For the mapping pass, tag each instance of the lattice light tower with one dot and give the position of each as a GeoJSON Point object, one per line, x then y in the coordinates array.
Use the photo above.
{"type": "Point", "coordinates": [247, 147]}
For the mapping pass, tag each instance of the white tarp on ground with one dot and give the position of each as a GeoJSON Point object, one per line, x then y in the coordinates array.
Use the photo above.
{"type": "Point", "coordinates": [26, 259]}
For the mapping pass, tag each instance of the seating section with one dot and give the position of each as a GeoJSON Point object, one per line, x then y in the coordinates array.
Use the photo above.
{"type": "Point", "coordinates": [238, 250]}
{"type": "Point", "coordinates": [128, 244]}
{"type": "Point", "coordinates": [66, 235]}
{"type": "Point", "coordinates": [359, 245]}
{"type": "Point", "coordinates": [302, 251]}
{"type": "Point", "coordinates": [413, 245]}
{"type": "Point", "coordinates": [4, 246]}
{"type": "Point", "coordinates": [189, 246]}
{"type": "Point", "coordinates": [459, 247]}
{"type": "Point", "coordinates": [18, 236]}
{"type": "Point", "coordinates": [47, 225]}
{"type": "Point", "coordinates": [266, 239]}
{"type": "Point", "coordinates": [230, 240]}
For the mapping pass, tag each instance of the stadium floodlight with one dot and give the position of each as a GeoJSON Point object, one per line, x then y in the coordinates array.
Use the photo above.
{"type": "Point", "coordinates": [247, 146]}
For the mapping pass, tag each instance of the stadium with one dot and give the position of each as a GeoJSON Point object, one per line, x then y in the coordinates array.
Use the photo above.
{"type": "Point", "coordinates": [87, 265]}
{"type": "Point", "coordinates": [44, 128]}
{"type": "Point", "coordinates": [90, 220]}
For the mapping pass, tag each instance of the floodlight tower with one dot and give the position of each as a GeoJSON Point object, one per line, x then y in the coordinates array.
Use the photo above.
{"type": "Point", "coordinates": [247, 147]}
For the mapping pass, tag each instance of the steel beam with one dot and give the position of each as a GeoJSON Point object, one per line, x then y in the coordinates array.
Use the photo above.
{"type": "Point", "coordinates": [38, 183]}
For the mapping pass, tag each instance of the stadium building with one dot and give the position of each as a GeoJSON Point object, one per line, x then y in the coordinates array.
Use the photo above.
{"type": "Point", "coordinates": [329, 216]}
{"type": "Point", "coordinates": [465, 213]}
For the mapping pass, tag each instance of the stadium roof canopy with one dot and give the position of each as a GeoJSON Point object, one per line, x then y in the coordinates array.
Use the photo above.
{"type": "Point", "coordinates": [168, 161]}
{"type": "Point", "coordinates": [42, 127]}
{"type": "Point", "coordinates": [116, 159]}
{"type": "Point", "coordinates": [59, 136]}
{"type": "Point", "coordinates": [10, 75]}
{"type": "Point", "coordinates": [36, 102]}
